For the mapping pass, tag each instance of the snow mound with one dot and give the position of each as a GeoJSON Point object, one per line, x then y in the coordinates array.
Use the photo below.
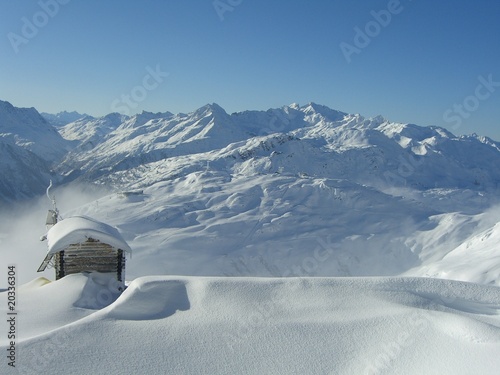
{"type": "Point", "coordinates": [79, 229]}
{"type": "Point", "coordinates": [162, 297]}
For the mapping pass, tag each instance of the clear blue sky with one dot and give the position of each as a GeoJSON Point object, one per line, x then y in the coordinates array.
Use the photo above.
{"type": "Point", "coordinates": [262, 54]}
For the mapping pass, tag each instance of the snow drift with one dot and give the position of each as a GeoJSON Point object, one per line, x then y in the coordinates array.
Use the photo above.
{"type": "Point", "coordinates": [193, 325]}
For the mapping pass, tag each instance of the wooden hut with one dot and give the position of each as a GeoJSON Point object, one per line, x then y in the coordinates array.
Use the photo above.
{"type": "Point", "coordinates": [81, 244]}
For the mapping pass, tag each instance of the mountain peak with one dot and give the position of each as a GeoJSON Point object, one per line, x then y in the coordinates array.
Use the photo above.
{"type": "Point", "coordinates": [31, 131]}
{"type": "Point", "coordinates": [331, 114]}
{"type": "Point", "coordinates": [12, 119]}
{"type": "Point", "coordinates": [30, 113]}
{"type": "Point", "coordinates": [213, 109]}
{"type": "Point", "coordinates": [379, 118]}
{"type": "Point", "coordinates": [115, 117]}
{"type": "Point", "coordinates": [4, 105]}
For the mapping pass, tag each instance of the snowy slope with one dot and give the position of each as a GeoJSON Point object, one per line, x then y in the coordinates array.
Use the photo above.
{"type": "Point", "coordinates": [477, 259]}
{"type": "Point", "coordinates": [213, 223]}
{"type": "Point", "coordinates": [192, 325]}
{"type": "Point", "coordinates": [23, 173]}
{"type": "Point", "coordinates": [87, 132]}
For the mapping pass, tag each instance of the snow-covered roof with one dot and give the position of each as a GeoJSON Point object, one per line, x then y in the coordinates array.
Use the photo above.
{"type": "Point", "coordinates": [78, 229]}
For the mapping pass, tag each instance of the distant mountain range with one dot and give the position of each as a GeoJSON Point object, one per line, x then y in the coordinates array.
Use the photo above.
{"type": "Point", "coordinates": [312, 139]}
{"type": "Point", "coordinates": [62, 118]}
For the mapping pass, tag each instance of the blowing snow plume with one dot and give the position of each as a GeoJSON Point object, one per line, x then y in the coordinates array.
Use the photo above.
{"type": "Point", "coordinates": [23, 224]}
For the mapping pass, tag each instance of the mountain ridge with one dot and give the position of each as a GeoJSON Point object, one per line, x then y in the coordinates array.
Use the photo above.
{"type": "Point", "coordinates": [62, 118]}
{"type": "Point", "coordinates": [368, 150]}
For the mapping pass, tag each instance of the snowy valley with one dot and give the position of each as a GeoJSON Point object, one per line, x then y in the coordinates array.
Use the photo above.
{"type": "Point", "coordinates": [333, 242]}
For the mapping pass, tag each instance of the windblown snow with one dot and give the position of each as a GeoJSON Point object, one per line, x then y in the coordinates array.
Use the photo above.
{"type": "Point", "coordinates": [298, 240]}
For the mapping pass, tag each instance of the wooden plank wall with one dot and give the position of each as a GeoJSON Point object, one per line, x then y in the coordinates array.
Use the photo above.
{"type": "Point", "coordinates": [90, 256]}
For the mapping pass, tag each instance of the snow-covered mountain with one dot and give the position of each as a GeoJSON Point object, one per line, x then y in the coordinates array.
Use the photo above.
{"type": "Point", "coordinates": [297, 190]}
{"type": "Point", "coordinates": [148, 137]}
{"type": "Point", "coordinates": [28, 129]}
{"type": "Point", "coordinates": [28, 148]}
{"type": "Point", "coordinates": [62, 118]}
{"type": "Point", "coordinates": [87, 132]}
{"type": "Point", "coordinates": [23, 172]}
{"type": "Point", "coordinates": [313, 139]}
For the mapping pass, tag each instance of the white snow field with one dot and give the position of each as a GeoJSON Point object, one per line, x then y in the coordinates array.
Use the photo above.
{"type": "Point", "coordinates": [229, 325]}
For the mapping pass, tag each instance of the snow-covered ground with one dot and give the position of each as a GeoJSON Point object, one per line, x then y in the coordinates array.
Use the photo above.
{"type": "Point", "coordinates": [221, 325]}
{"type": "Point", "coordinates": [246, 233]}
